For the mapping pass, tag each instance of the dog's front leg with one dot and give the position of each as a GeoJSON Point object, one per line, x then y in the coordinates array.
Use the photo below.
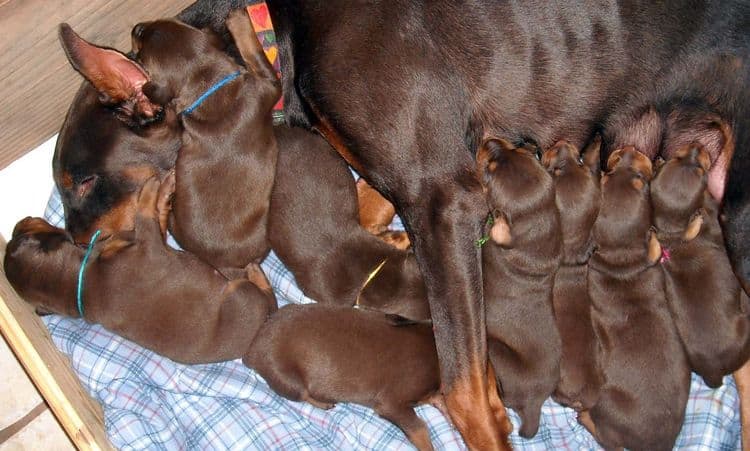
{"type": "Point", "coordinates": [444, 223]}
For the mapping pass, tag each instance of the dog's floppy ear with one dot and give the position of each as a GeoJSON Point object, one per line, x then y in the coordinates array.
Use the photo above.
{"type": "Point", "coordinates": [118, 79]}
{"type": "Point", "coordinates": [591, 155]}
{"type": "Point", "coordinates": [500, 231]}
{"type": "Point", "coordinates": [694, 226]}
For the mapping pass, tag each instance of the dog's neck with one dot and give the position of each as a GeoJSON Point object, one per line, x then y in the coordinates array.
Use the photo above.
{"type": "Point", "coordinates": [53, 286]}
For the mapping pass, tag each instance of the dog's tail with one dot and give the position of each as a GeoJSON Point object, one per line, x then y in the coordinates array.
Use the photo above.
{"type": "Point", "coordinates": [736, 202]}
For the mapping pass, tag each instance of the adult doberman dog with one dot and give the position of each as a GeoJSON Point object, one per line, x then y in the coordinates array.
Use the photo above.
{"type": "Point", "coordinates": [406, 91]}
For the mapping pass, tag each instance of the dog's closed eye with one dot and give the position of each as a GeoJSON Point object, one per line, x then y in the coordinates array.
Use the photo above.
{"type": "Point", "coordinates": [83, 187]}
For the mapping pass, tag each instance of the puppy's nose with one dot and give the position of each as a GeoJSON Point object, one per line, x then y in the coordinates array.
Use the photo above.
{"type": "Point", "coordinates": [137, 32]}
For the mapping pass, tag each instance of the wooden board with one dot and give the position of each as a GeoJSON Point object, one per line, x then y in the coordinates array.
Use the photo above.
{"type": "Point", "coordinates": [36, 81]}
{"type": "Point", "coordinates": [80, 416]}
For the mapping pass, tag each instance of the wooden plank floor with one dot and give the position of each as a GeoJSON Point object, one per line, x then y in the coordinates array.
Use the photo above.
{"type": "Point", "coordinates": [36, 81]}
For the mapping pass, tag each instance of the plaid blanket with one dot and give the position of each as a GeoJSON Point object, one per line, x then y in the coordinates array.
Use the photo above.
{"type": "Point", "coordinates": [151, 402]}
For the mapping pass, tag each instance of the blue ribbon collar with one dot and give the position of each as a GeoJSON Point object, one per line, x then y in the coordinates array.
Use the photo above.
{"type": "Point", "coordinates": [82, 269]}
{"type": "Point", "coordinates": [210, 91]}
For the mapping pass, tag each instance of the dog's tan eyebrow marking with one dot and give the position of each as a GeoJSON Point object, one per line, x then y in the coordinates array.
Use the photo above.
{"type": "Point", "coordinates": [67, 180]}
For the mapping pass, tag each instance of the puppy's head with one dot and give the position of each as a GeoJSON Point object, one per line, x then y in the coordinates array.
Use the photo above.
{"type": "Point", "coordinates": [515, 182]}
{"type": "Point", "coordinates": [678, 190]}
{"type": "Point", "coordinates": [625, 214]}
{"type": "Point", "coordinates": [182, 61]}
{"type": "Point", "coordinates": [37, 263]}
{"type": "Point", "coordinates": [576, 177]}
{"type": "Point", "coordinates": [114, 138]}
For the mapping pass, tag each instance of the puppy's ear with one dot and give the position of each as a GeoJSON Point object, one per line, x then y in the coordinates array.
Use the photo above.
{"type": "Point", "coordinates": [614, 159]}
{"type": "Point", "coordinates": [654, 248]}
{"type": "Point", "coordinates": [118, 79]}
{"type": "Point", "coordinates": [592, 155]}
{"type": "Point", "coordinates": [488, 151]}
{"type": "Point", "coordinates": [694, 226]}
{"type": "Point", "coordinates": [500, 231]}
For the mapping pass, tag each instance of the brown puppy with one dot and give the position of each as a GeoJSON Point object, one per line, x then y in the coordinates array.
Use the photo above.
{"type": "Point", "coordinates": [708, 306]}
{"type": "Point", "coordinates": [326, 354]}
{"type": "Point", "coordinates": [642, 403]}
{"type": "Point", "coordinates": [314, 229]}
{"type": "Point", "coordinates": [577, 195]}
{"type": "Point", "coordinates": [519, 264]}
{"type": "Point", "coordinates": [137, 287]}
{"type": "Point", "coordinates": [227, 162]}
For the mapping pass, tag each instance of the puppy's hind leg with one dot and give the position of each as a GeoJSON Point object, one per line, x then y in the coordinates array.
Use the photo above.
{"type": "Point", "coordinates": [407, 420]}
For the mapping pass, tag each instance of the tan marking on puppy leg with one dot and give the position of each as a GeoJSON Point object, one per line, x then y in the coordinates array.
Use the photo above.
{"type": "Point", "coordinates": [654, 248]}
{"type": "Point", "coordinates": [500, 232]}
{"type": "Point", "coordinates": [694, 227]}
{"type": "Point", "coordinates": [256, 275]}
{"type": "Point", "coordinates": [398, 239]}
{"type": "Point", "coordinates": [375, 212]}
{"type": "Point", "coordinates": [164, 201]}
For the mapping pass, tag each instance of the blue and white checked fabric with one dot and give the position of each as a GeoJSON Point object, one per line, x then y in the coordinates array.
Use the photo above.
{"type": "Point", "coordinates": [151, 402]}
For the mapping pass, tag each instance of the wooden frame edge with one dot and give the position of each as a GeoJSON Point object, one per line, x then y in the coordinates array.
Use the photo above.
{"type": "Point", "coordinates": [50, 371]}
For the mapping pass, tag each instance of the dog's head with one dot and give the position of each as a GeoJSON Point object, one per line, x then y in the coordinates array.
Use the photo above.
{"type": "Point", "coordinates": [113, 139]}
{"type": "Point", "coordinates": [181, 61]}
{"type": "Point", "coordinates": [515, 182]}
{"type": "Point", "coordinates": [37, 262]}
{"type": "Point", "coordinates": [678, 190]}
{"type": "Point", "coordinates": [624, 220]}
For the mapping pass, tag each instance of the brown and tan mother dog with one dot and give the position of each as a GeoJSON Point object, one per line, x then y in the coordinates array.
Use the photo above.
{"type": "Point", "coordinates": [134, 285]}
{"type": "Point", "coordinates": [408, 90]}
{"type": "Point", "coordinates": [709, 308]}
{"type": "Point", "coordinates": [647, 378]}
{"type": "Point", "coordinates": [577, 197]}
{"type": "Point", "coordinates": [520, 257]}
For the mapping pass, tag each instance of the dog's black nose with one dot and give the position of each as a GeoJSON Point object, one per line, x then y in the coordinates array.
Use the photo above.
{"type": "Point", "coordinates": [138, 30]}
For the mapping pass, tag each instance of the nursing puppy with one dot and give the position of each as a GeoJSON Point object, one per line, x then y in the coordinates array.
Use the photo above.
{"type": "Point", "coordinates": [519, 263]}
{"type": "Point", "coordinates": [642, 402]}
{"type": "Point", "coordinates": [326, 354]}
{"type": "Point", "coordinates": [314, 229]}
{"type": "Point", "coordinates": [137, 287]}
{"type": "Point", "coordinates": [708, 306]}
{"type": "Point", "coordinates": [577, 196]}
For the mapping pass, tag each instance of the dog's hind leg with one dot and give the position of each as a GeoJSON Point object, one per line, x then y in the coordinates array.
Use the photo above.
{"type": "Point", "coordinates": [407, 420]}
{"type": "Point", "coordinates": [736, 207]}
{"type": "Point", "coordinates": [742, 379]}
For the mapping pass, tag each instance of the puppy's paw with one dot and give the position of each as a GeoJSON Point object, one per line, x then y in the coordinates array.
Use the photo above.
{"type": "Point", "coordinates": [257, 277]}
{"type": "Point", "coordinates": [148, 197]}
{"type": "Point", "coordinates": [164, 201]}
{"type": "Point", "coordinates": [398, 239]}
